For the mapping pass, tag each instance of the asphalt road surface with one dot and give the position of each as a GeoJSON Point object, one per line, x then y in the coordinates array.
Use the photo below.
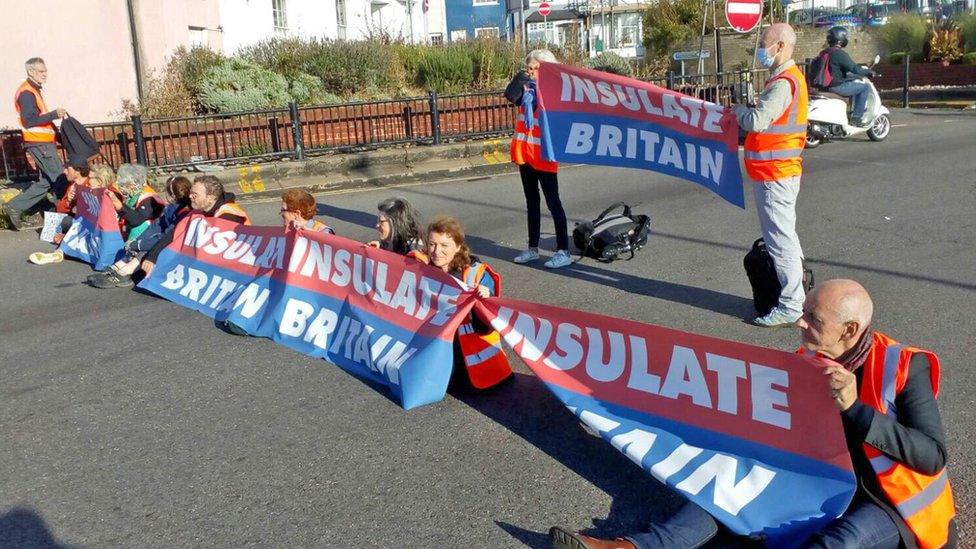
{"type": "Point", "coordinates": [130, 421]}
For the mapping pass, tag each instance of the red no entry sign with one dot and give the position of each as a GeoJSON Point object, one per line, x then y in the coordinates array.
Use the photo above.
{"type": "Point", "coordinates": [545, 9]}
{"type": "Point", "coordinates": [743, 15]}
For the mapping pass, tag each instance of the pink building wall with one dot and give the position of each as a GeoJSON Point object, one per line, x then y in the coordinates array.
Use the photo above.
{"type": "Point", "coordinates": [88, 49]}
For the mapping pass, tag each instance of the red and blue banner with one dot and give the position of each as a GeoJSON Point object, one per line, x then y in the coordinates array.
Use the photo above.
{"type": "Point", "coordinates": [749, 434]}
{"type": "Point", "coordinates": [381, 316]}
{"type": "Point", "coordinates": [94, 236]}
{"type": "Point", "coordinates": [594, 117]}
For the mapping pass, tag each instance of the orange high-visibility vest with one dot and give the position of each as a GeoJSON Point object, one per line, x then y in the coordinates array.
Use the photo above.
{"type": "Point", "coordinates": [233, 209]}
{"type": "Point", "coordinates": [924, 502]}
{"type": "Point", "coordinates": [148, 193]}
{"type": "Point", "coordinates": [317, 226]}
{"type": "Point", "coordinates": [45, 133]}
{"type": "Point", "coordinates": [774, 154]}
{"type": "Point", "coordinates": [526, 145]}
{"type": "Point", "coordinates": [484, 358]}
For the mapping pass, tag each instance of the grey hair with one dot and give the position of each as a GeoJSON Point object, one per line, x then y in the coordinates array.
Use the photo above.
{"type": "Point", "coordinates": [541, 55]}
{"type": "Point", "coordinates": [211, 184]}
{"type": "Point", "coordinates": [132, 174]}
{"type": "Point", "coordinates": [32, 63]}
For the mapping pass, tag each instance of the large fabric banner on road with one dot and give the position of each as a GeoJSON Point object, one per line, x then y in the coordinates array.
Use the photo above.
{"type": "Point", "coordinates": [594, 117]}
{"type": "Point", "coordinates": [749, 434]}
{"type": "Point", "coordinates": [376, 314]}
{"type": "Point", "coordinates": [94, 236]}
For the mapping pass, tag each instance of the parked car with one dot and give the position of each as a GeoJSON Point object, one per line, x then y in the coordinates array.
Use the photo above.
{"type": "Point", "coordinates": [824, 18]}
{"type": "Point", "coordinates": [875, 15]}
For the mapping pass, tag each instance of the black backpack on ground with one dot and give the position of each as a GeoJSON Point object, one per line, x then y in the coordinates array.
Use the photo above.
{"type": "Point", "coordinates": [762, 277]}
{"type": "Point", "coordinates": [610, 235]}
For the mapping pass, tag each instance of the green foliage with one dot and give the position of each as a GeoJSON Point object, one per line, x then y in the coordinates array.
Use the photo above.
{"type": "Point", "coordinates": [445, 70]}
{"type": "Point", "coordinates": [945, 44]}
{"type": "Point", "coordinates": [968, 58]}
{"type": "Point", "coordinates": [610, 62]}
{"type": "Point", "coordinates": [904, 33]}
{"type": "Point", "coordinates": [667, 23]}
{"type": "Point", "coordinates": [240, 86]}
{"type": "Point", "coordinates": [967, 26]}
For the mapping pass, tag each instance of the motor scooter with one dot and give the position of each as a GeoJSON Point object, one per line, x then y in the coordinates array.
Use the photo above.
{"type": "Point", "coordinates": [828, 120]}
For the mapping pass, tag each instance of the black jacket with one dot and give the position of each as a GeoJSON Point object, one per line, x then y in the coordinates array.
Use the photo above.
{"type": "Point", "coordinates": [77, 140]}
{"type": "Point", "coordinates": [843, 68]}
{"type": "Point", "coordinates": [515, 88]}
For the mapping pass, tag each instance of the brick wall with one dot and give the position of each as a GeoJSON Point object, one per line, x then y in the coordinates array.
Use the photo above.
{"type": "Point", "coordinates": [925, 74]}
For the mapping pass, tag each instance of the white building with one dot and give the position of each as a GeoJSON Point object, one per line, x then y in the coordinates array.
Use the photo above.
{"type": "Point", "coordinates": [598, 25]}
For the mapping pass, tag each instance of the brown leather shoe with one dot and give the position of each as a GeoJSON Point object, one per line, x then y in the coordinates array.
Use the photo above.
{"type": "Point", "coordinates": [565, 539]}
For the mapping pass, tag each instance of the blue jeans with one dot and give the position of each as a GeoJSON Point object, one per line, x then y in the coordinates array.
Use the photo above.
{"type": "Point", "coordinates": [858, 92]}
{"type": "Point", "coordinates": [864, 525]}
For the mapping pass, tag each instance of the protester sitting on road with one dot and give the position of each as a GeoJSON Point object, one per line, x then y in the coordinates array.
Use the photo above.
{"type": "Point", "coordinates": [298, 211]}
{"type": "Point", "coordinates": [886, 394]}
{"type": "Point", "coordinates": [119, 274]}
{"type": "Point", "coordinates": [135, 201]}
{"type": "Point", "coordinates": [535, 170]}
{"type": "Point", "coordinates": [207, 197]}
{"type": "Point", "coordinates": [398, 226]}
{"type": "Point", "coordinates": [77, 172]}
{"type": "Point", "coordinates": [479, 360]}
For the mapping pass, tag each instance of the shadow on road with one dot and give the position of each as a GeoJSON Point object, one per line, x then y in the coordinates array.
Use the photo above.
{"type": "Point", "coordinates": [22, 527]}
{"type": "Point", "coordinates": [526, 408]}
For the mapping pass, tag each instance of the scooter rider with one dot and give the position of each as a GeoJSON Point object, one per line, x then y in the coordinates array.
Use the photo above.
{"type": "Point", "coordinates": [845, 75]}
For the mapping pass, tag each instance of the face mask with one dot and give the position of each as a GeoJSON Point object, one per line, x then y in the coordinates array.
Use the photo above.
{"type": "Point", "coordinates": [764, 58]}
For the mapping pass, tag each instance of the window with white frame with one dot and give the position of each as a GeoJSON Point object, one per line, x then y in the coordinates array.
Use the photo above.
{"type": "Point", "coordinates": [485, 2]}
{"type": "Point", "coordinates": [436, 39]}
{"type": "Point", "coordinates": [198, 37]}
{"type": "Point", "coordinates": [627, 31]}
{"type": "Point", "coordinates": [279, 16]}
{"type": "Point", "coordinates": [541, 33]}
{"type": "Point", "coordinates": [341, 19]}
{"type": "Point", "coordinates": [486, 32]}
{"type": "Point", "coordinates": [459, 35]}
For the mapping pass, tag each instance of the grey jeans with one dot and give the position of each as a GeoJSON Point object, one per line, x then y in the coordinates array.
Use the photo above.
{"type": "Point", "coordinates": [776, 204]}
{"type": "Point", "coordinates": [51, 178]}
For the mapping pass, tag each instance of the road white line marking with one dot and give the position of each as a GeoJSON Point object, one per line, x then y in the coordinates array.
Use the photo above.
{"type": "Point", "coordinates": [898, 125]}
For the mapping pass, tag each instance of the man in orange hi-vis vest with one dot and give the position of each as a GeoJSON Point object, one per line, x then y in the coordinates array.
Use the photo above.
{"type": "Point", "coordinates": [39, 133]}
{"type": "Point", "coordinates": [777, 129]}
{"type": "Point", "coordinates": [886, 393]}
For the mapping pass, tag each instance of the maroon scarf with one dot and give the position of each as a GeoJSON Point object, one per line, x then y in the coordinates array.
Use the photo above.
{"type": "Point", "coordinates": [855, 357]}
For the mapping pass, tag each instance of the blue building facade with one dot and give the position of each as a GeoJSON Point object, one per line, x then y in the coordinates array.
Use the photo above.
{"type": "Point", "coordinates": [470, 19]}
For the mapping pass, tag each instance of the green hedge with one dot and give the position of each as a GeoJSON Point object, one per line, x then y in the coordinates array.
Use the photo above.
{"type": "Point", "coordinates": [610, 62]}
{"type": "Point", "coordinates": [904, 33]}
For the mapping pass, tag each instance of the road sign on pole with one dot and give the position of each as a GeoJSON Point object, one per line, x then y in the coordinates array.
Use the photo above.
{"type": "Point", "coordinates": [743, 15]}
{"type": "Point", "coordinates": [545, 9]}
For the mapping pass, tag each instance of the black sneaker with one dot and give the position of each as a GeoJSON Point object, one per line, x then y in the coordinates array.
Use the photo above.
{"type": "Point", "coordinates": [14, 216]}
{"type": "Point", "coordinates": [111, 279]}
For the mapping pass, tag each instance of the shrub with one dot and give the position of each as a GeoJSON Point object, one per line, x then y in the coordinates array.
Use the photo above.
{"type": "Point", "coordinates": [304, 88]}
{"type": "Point", "coordinates": [967, 26]}
{"type": "Point", "coordinates": [944, 45]}
{"type": "Point", "coordinates": [669, 22]}
{"type": "Point", "coordinates": [494, 62]}
{"type": "Point", "coordinates": [445, 70]}
{"type": "Point", "coordinates": [240, 86]}
{"type": "Point", "coordinates": [968, 58]}
{"type": "Point", "coordinates": [904, 33]}
{"type": "Point", "coordinates": [897, 58]}
{"type": "Point", "coordinates": [610, 62]}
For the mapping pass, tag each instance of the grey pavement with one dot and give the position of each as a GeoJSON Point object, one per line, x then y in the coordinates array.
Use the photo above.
{"type": "Point", "coordinates": [128, 421]}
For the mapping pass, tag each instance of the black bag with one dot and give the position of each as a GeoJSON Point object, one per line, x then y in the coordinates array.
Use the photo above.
{"type": "Point", "coordinates": [77, 140]}
{"type": "Point", "coordinates": [762, 276]}
{"type": "Point", "coordinates": [818, 71]}
{"type": "Point", "coordinates": [608, 236]}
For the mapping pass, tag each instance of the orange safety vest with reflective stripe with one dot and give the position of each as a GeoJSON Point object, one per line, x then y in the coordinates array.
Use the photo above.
{"type": "Point", "coordinates": [148, 193]}
{"type": "Point", "coordinates": [774, 154]}
{"type": "Point", "coordinates": [924, 502]}
{"type": "Point", "coordinates": [484, 358]}
{"type": "Point", "coordinates": [45, 133]}
{"type": "Point", "coordinates": [233, 209]}
{"type": "Point", "coordinates": [526, 145]}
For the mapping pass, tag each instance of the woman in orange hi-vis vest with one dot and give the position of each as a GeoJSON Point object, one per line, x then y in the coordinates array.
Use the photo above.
{"type": "Point", "coordinates": [479, 360]}
{"type": "Point", "coordinates": [526, 151]}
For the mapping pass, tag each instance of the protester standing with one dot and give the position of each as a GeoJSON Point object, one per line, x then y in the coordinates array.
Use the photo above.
{"type": "Point", "coordinates": [39, 134]}
{"type": "Point", "coordinates": [777, 128]}
{"type": "Point", "coordinates": [536, 171]}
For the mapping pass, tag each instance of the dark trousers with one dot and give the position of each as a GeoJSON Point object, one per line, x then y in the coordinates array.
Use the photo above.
{"type": "Point", "coordinates": [532, 179]}
{"type": "Point", "coordinates": [51, 177]}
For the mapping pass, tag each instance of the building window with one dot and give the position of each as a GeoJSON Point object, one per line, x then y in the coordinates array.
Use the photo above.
{"type": "Point", "coordinates": [279, 15]}
{"type": "Point", "coordinates": [485, 2]}
{"type": "Point", "coordinates": [459, 35]}
{"type": "Point", "coordinates": [341, 19]}
{"type": "Point", "coordinates": [627, 33]}
{"type": "Point", "coordinates": [486, 32]}
{"type": "Point", "coordinates": [198, 37]}
{"type": "Point", "coordinates": [541, 33]}
{"type": "Point", "coordinates": [436, 39]}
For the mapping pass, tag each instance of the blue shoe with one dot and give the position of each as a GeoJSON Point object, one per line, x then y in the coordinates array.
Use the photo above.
{"type": "Point", "coordinates": [777, 318]}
